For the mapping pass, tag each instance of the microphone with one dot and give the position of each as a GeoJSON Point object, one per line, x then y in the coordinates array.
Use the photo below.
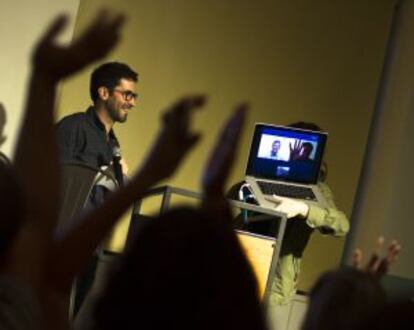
{"type": "Point", "coordinates": [116, 155]}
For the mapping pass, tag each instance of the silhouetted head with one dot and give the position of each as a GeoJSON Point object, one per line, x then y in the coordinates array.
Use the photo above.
{"type": "Point", "coordinates": [342, 299]}
{"type": "Point", "coordinates": [185, 270]}
{"type": "Point", "coordinates": [394, 315]}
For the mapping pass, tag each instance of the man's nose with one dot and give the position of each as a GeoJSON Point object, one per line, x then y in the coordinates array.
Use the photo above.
{"type": "Point", "coordinates": [132, 102]}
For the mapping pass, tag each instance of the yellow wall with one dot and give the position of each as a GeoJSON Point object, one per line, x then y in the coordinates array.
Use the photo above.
{"type": "Point", "coordinates": [293, 60]}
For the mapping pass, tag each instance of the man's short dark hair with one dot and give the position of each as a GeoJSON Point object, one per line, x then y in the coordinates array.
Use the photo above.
{"type": "Point", "coordinates": [108, 75]}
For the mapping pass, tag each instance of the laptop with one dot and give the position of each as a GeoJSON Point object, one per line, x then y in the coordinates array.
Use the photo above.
{"type": "Point", "coordinates": [285, 161]}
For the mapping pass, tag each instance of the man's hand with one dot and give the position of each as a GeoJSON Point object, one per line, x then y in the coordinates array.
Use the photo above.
{"type": "Point", "coordinates": [175, 138]}
{"type": "Point", "coordinates": [223, 155]}
{"type": "Point", "coordinates": [296, 150]}
{"type": "Point", "coordinates": [377, 266]}
{"type": "Point", "coordinates": [124, 166]}
{"type": "Point", "coordinates": [291, 207]}
{"type": "Point", "coordinates": [57, 62]}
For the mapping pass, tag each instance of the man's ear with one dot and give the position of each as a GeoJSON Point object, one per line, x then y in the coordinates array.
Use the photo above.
{"type": "Point", "coordinates": [103, 93]}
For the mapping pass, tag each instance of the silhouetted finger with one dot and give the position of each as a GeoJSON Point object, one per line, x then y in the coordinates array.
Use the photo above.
{"type": "Point", "coordinates": [234, 126]}
{"type": "Point", "coordinates": [180, 110]}
{"type": "Point", "coordinates": [374, 262]}
{"type": "Point", "coordinates": [56, 27]}
{"type": "Point", "coordinates": [117, 22]}
{"type": "Point", "coordinates": [393, 250]}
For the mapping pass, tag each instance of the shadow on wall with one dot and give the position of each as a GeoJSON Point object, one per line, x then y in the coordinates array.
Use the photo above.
{"type": "Point", "coordinates": [3, 138]}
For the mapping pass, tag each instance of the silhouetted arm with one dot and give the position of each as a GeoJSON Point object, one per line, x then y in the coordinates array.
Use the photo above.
{"type": "Point", "coordinates": [172, 144]}
{"type": "Point", "coordinates": [221, 161]}
{"type": "Point", "coordinates": [36, 158]}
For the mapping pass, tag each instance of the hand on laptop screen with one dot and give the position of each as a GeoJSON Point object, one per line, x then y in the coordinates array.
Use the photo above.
{"type": "Point", "coordinates": [289, 154]}
{"type": "Point", "coordinates": [302, 150]}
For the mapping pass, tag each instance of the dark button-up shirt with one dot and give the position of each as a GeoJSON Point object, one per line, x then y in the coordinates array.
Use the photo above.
{"type": "Point", "coordinates": [82, 139]}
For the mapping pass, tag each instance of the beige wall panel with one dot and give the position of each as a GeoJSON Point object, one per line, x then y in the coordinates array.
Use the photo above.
{"type": "Point", "coordinates": [21, 24]}
{"type": "Point", "coordinates": [386, 197]}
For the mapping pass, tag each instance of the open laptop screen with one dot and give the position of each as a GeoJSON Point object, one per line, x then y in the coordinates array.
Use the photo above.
{"type": "Point", "coordinates": [285, 153]}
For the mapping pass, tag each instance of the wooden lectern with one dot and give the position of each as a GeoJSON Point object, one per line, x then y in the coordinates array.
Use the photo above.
{"type": "Point", "coordinates": [261, 251]}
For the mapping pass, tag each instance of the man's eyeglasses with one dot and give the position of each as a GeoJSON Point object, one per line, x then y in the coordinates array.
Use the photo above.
{"type": "Point", "coordinates": [127, 95]}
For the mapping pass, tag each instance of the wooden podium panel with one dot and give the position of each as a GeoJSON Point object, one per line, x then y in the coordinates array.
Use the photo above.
{"type": "Point", "coordinates": [259, 250]}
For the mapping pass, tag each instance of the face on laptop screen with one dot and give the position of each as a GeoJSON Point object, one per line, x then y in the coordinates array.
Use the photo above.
{"type": "Point", "coordinates": [284, 153]}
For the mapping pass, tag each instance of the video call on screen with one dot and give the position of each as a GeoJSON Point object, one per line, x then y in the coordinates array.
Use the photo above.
{"type": "Point", "coordinates": [286, 155]}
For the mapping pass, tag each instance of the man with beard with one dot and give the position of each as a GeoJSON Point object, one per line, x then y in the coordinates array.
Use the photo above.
{"type": "Point", "coordinates": [87, 138]}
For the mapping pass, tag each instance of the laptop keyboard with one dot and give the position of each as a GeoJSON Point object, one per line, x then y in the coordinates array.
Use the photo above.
{"type": "Point", "coordinates": [270, 188]}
